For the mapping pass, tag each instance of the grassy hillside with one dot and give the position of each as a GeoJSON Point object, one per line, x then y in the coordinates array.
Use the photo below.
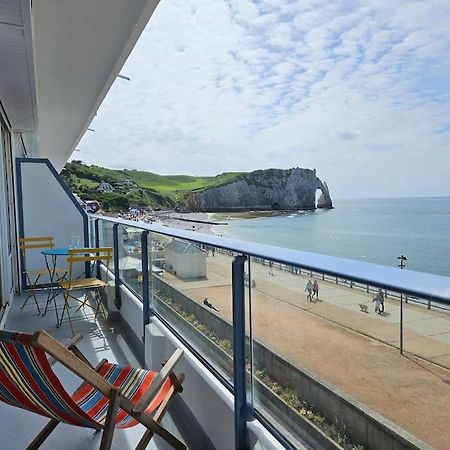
{"type": "Point", "coordinates": [148, 189]}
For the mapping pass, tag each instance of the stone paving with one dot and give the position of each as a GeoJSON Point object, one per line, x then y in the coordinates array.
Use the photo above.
{"type": "Point", "coordinates": [426, 333]}
{"type": "Point", "coordinates": [335, 340]}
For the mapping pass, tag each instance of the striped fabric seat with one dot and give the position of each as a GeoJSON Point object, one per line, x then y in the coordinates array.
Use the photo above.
{"type": "Point", "coordinates": [111, 396]}
{"type": "Point", "coordinates": [28, 382]}
{"type": "Point", "coordinates": [133, 382]}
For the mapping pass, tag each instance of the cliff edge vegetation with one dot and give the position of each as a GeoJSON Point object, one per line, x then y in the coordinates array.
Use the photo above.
{"type": "Point", "coordinates": [230, 191]}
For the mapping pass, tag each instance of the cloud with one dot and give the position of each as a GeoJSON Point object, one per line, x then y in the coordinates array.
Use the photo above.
{"type": "Point", "coordinates": [345, 87]}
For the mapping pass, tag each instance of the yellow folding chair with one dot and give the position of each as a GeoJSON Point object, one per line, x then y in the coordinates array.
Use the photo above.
{"type": "Point", "coordinates": [33, 276]}
{"type": "Point", "coordinates": [92, 284]}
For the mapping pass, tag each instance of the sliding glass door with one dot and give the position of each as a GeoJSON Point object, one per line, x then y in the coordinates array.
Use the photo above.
{"type": "Point", "coordinates": [7, 218]}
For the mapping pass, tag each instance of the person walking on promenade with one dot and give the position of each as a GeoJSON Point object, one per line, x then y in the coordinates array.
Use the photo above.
{"type": "Point", "coordinates": [309, 290]}
{"type": "Point", "coordinates": [271, 268]}
{"type": "Point", "coordinates": [377, 300]}
{"type": "Point", "coordinates": [380, 293]}
{"type": "Point", "coordinates": [316, 289]}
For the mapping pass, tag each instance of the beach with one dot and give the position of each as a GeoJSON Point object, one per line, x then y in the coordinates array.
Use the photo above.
{"type": "Point", "coordinates": [199, 222]}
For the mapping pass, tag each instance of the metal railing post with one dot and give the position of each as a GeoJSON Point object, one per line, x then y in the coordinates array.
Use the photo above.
{"type": "Point", "coordinates": [145, 278]}
{"type": "Point", "coordinates": [117, 298]}
{"type": "Point", "coordinates": [401, 323]}
{"type": "Point", "coordinates": [97, 244]}
{"type": "Point", "coordinates": [239, 372]}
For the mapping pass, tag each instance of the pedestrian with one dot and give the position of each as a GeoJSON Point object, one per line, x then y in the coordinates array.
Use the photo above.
{"type": "Point", "coordinates": [380, 293]}
{"type": "Point", "coordinates": [316, 289]}
{"type": "Point", "coordinates": [308, 290]}
{"type": "Point", "coordinates": [271, 268]}
{"type": "Point", "coordinates": [209, 304]}
{"type": "Point", "coordinates": [377, 300]}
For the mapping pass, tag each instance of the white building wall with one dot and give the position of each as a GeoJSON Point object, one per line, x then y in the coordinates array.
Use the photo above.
{"type": "Point", "coordinates": [48, 211]}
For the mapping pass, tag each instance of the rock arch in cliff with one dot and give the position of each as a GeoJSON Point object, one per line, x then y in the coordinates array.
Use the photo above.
{"type": "Point", "coordinates": [324, 200]}
{"type": "Point", "coordinates": [262, 190]}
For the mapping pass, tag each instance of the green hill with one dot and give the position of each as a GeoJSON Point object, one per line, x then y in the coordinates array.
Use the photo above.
{"type": "Point", "coordinates": [142, 189]}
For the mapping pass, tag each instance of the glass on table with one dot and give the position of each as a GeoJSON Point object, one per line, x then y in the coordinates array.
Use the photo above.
{"type": "Point", "coordinates": [74, 241]}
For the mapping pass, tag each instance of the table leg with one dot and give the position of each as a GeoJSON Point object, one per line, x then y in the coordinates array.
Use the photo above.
{"type": "Point", "coordinates": [51, 294]}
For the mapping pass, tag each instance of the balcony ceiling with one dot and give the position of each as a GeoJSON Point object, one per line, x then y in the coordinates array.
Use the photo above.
{"type": "Point", "coordinates": [17, 90]}
{"type": "Point", "coordinates": [79, 48]}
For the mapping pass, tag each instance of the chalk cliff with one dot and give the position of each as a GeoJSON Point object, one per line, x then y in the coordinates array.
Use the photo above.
{"type": "Point", "coordinates": [264, 190]}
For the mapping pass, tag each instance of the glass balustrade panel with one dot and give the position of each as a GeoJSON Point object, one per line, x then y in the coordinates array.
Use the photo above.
{"type": "Point", "coordinates": [130, 258]}
{"type": "Point", "coordinates": [106, 239]}
{"type": "Point", "coordinates": [191, 289]}
{"type": "Point", "coordinates": [313, 332]}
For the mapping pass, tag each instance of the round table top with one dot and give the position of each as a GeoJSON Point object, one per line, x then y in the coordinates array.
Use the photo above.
{"type": "Point", "coordinates": [61, 251]}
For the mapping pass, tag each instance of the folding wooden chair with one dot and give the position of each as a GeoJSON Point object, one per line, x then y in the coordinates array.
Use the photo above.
{"type": "Point", "coordinates": [111, 396]}
{"type": "Point", "coordinates": [33, 276]}
{"type": "Point", "coordinates": [93, 284]}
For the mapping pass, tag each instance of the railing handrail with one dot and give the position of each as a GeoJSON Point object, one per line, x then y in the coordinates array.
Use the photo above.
{"type": "Point", "coordinates": [424, 285]}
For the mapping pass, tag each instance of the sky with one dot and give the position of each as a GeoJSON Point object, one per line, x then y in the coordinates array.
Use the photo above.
{"type": "Point", "coordinates": [359, 91]}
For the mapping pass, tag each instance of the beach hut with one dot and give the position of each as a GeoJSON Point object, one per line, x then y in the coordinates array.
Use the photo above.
{"type": "Point", "coordinates": [131, 269]}
{"type": "Point", "coordinates": [186, 260]}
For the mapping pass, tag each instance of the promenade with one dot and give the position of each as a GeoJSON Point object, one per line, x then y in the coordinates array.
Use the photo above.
{"type": "Point", "coordinates": [351, 350]}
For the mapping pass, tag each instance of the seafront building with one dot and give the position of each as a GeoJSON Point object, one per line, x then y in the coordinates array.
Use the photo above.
{"type": "Point", "coordinates": [264, 367]}
{"type": "Point", "coordinates": [105, 188]}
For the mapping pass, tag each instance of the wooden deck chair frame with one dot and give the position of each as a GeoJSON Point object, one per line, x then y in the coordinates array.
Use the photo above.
{"type": "Point", "coordinates": [72, 358]}
{"type": "Point", "coordinates": [33, 276]}
{"type": "Point", "coordinates": [93, 284]}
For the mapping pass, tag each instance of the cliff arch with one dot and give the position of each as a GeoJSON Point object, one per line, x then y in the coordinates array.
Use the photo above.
{"type": "Point", "coordinates": [324, 200]}
{"type": "Point", "coordinates": [264, 190]}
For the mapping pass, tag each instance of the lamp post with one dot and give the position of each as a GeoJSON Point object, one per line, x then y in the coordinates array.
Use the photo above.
{"type": "Point", "coordinates": [402, 261]}
{"type": "Point", "coordinates": [402, 264]}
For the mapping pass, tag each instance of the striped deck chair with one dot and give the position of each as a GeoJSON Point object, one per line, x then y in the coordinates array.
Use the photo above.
{"type": "Point", "coordinates": [111, 396]}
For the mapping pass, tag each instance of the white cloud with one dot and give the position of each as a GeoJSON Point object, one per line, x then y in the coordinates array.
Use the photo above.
{"type": "Point", "coordinates": [344, 87]}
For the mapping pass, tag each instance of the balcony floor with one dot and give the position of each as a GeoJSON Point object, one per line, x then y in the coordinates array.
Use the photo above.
{"type": "Point", "coordinates": [19, 427]}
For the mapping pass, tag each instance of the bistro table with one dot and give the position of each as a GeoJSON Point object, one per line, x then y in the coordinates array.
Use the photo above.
{"type": "Point", "coordinates": [51, 256]}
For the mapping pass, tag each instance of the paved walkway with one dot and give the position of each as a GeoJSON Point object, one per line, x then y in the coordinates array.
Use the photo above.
{"type": "Point", "coordinates": [329, 338]}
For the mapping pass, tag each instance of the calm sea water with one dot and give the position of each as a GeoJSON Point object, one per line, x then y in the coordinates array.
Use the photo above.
{"type": "Point", "coordinates": [375, 230]}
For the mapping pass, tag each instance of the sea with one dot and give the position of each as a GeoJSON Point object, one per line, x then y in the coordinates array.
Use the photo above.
{"type": "Point", "coordinates": [371, 230]}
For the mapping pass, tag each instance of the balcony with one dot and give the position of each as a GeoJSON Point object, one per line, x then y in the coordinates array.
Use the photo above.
{"type": "Point", "coordinates": [265, 365]}
{"type": "Point", "coordinates": [100, 340]}
{"type": "Point", "coordinates": [357, 377]}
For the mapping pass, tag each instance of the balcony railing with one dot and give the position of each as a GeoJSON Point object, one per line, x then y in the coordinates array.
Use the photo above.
{"type": "Point", "coordinates": [243, 309]}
